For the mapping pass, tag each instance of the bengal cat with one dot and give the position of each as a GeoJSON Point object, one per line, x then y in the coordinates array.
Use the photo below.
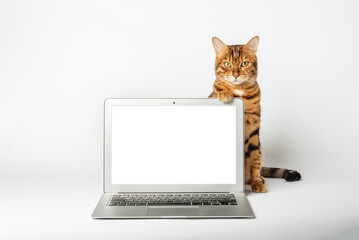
{"type": "Point", "coordinates": [236, 71]}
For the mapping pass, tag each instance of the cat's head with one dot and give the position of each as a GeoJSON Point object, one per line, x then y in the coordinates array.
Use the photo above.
{"type": "Point", "coordinates": [236, 64]}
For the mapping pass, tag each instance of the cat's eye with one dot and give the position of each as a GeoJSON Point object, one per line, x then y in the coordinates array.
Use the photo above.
{"type": "Point", "coordinates": [245, 64]}
{"type": "Point", "coordinates": [227, 64]}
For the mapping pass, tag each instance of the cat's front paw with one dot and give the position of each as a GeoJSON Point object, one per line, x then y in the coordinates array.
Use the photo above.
{"type": "Point", "coordinates": [225, 96]}
{"type": "Point", "coordinates": [258, 187]}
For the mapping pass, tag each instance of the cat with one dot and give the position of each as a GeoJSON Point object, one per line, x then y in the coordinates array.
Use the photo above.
{"type": "Point", "coordinates": [236, 70]}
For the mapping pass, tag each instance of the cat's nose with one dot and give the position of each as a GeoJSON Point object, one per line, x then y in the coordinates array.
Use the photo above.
{"type": "Point", "coordinates": [235, 75]}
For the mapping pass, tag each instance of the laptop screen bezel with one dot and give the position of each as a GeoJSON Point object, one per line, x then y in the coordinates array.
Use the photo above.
{"type": "Point", "coordinates": [109, 187]}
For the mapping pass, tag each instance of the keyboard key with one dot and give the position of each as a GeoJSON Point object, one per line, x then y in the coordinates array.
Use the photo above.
{"type": "Point", "coordinates": [140, 204]}
{"type": "Point", "coordinates": [155, 204]}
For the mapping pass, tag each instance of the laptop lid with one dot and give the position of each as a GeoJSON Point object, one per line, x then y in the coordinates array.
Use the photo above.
{"type": "Point", "coordinates": [173, 145]}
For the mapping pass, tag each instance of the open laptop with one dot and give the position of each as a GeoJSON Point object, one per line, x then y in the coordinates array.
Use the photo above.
{"type": "Point", "coordinates": [173, 158]}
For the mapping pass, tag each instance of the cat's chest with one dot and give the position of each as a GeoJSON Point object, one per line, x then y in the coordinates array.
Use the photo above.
{"type": "Point", "coordinates": [238, 92]}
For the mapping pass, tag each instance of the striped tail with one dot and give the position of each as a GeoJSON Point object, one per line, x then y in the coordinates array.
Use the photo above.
{"type": "Point", "coordinates": [289, 175]}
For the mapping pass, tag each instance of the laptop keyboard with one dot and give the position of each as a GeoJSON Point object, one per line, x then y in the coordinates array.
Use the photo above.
{"type": "Point", "coordinates": [173, 199]}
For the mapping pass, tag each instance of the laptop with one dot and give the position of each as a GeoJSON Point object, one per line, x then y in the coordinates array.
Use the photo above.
{"type": "Point", "coordinates": [173, 158]}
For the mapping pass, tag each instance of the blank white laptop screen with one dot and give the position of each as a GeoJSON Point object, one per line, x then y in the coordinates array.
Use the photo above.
{"type": "Point", "coordinates": [173, 145]}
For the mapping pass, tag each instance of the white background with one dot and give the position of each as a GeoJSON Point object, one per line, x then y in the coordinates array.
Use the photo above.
{"type": "Point", "coordinates": [173, 145]}
{"type": "Point", "coordinates": [59, 60]}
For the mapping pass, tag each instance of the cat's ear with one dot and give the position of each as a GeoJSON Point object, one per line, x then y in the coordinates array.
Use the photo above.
{"type": "Point", "coordinates": [252, 45]}
{"type": "Point", "coordinates": [219, 46]}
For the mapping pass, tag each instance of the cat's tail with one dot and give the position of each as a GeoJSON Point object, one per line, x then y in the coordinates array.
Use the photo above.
{"type": "Point", "coordinates": [289, 175]}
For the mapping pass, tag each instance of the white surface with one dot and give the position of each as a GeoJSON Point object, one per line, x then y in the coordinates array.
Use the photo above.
{"type": "Point", "coordinates": [59, 60]}
{"type": "Point", "coordinates": [173, 145]}
{"type": "Point", "coordinates": [308, 209]}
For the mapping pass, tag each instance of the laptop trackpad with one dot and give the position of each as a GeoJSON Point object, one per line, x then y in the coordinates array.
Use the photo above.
{"type": "Point", "coordinates": [172, 211]}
